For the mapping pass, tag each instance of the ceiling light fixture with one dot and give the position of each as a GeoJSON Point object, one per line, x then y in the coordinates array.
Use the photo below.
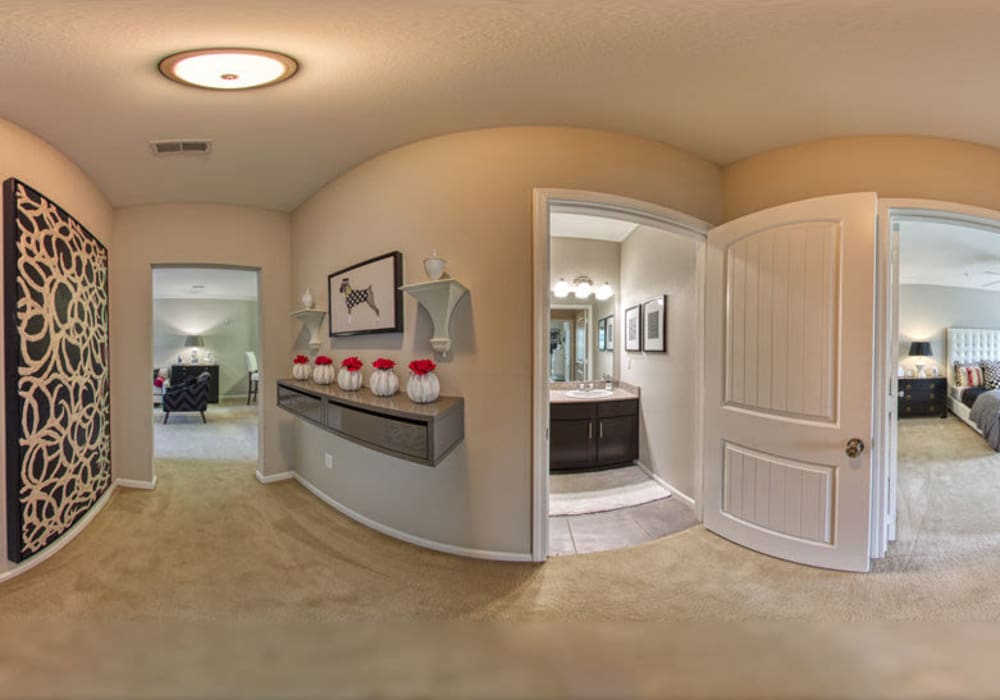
{"type": "Point", "coordinates": [228, 69]}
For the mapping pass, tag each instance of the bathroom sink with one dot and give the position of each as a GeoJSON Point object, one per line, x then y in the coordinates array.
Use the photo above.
{"type": "Point", "coordinates": [592, 394]}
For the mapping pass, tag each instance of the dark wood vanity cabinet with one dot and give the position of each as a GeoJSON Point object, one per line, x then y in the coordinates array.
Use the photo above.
{"type": "Point", "coordinates": [585, 435]}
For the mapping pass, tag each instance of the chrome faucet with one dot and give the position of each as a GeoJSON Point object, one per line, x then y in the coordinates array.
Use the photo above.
{"type": "Point", "coordinates": [608, 382]}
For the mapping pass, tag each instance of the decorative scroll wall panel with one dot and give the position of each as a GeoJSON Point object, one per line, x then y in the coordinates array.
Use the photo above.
{"type": "Point", "coordinates": [781, 495]}
{"type": "Point", "coordinates": [58, 402]}
{"type": "Point", "coordinates": [782, 322]}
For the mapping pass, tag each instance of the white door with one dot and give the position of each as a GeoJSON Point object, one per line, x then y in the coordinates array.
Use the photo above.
{"type": "Point", "coordinates": [788, 380]}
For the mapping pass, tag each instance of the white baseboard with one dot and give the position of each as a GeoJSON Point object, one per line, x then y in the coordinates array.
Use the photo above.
{"type": "Point", "coordinates": [136, 484]}
{"type": "Point", "coordinates": [412, 539]}
{"type": "Point", "coordinates": [63, 540]}
{"type": "Point", "coordinates": [271, 478]}
{"type": "Point", "coordinates": [674, 491]}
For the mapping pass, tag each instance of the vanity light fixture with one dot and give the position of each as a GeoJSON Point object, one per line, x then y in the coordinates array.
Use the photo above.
{"type": "Point", "coordinates": [561, 290]}
{"type": "Point", "coordinates": [582, 287]}
{"type": "Point", "coordinates": [604, 292]}
{"type": "Point", "coordinates": [228, 69]}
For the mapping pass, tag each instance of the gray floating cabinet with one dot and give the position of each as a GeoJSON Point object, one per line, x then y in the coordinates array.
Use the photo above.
{"type": "Point", "coordinates": [422, 433]}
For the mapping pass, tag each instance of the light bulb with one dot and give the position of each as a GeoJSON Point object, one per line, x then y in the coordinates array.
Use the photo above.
{"type": "Point", "coordinates": [583, 289]}
{"type": "Point", "coordinates": [561, 290]}
{"type": "Point", "coordinates": [604, 292]}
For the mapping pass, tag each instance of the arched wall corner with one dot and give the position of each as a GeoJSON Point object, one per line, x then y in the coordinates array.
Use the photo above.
{"type": "Point", "coordinates": [469, 195]}
{"type": "Point", "coordinates": [194, 234]}
{"type": "Point", "coordinates": [893, 166]}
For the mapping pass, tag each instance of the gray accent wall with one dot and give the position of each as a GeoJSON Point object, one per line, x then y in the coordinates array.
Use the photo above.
{"type": "Point", "coordinates": [926, 312]}
{"type": "Point", "coordinates": [230, 328]}
{"type": "Point", "coordinates": [655, 262]}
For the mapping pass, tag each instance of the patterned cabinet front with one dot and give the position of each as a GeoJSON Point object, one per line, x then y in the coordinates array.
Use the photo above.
{"type": "Point", "coordinates": [923, 397]}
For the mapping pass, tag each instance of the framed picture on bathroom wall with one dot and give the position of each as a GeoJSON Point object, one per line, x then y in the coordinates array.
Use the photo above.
{"type": "Point", "coordinates": [365, 297]}
{"type": "Point", "coordinates": [609, 334]}
{"type": "Point", "coordinates": [602, 329]}
{"type": "Point", "coordinates": [654, 325]}
{"type": "Point", "coordinates": [633, 329]}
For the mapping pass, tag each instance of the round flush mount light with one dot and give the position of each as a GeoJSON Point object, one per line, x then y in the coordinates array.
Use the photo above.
{"type": "Point", "coordinates": [228, 69]}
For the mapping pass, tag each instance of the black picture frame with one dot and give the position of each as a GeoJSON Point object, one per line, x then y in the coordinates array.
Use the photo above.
{"type": "Point", "coordinates": [609, 334]}
{"type": "Point", "coordinates": [372, 301]}
{"type": "Point", "coordinates": [654, 324]}
{"type": "Point", "coordinates": [633, 328]}
{"type": "Point", "coordinates": [602, 327]}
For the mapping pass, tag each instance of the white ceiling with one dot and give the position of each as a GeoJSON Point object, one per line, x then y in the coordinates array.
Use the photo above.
{"type": "Point", "coordinates": [563, 225]}
{"type": "Point", "coordinates": [204, 283]}
{"type": "Point", "coordinates": [949, 256]}
{"type": "Point", "coordinates": [723, 79]}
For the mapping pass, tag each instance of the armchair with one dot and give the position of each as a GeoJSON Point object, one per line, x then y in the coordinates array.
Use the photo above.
{"type": "Point", "coordinates": [189, 396]}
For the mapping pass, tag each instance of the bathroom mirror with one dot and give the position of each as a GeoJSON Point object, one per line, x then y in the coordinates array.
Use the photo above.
{"type": "Point", "coordinates": [570, 340]}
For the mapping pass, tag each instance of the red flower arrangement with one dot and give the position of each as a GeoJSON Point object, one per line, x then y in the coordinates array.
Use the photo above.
{"type": "Point", "coordinates": [301, 360]}
{"type": "Point", "coordinates": [352, 364]}
{"type": "Point", "coordinates": [421, 367]}
{"type": "Point", "coordinates": [323, 360]}
{"type": "Point", "coordinates": [383, 363]}
{"type": "Point", "coordinates": [158, 382]}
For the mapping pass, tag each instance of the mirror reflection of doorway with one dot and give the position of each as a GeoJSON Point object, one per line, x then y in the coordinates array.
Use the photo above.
{"type": "Point", "coordinates": [569, 330]}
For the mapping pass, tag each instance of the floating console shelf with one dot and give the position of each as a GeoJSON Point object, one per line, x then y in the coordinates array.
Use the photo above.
{"type": "Point", "coordinates": [439, 298]}
{"type": "Point", "coordinates": [312, 319]}
{"type": "Point", "coordinates": [423, 433]}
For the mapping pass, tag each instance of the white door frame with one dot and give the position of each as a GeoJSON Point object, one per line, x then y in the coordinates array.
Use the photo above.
{"type": "Point", "coordinates": [890, 212]}
{"type": "Point", "coordinates": [546, 202]}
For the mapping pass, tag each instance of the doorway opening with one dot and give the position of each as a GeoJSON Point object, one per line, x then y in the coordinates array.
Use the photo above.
{"type": "Point", "coordinates": [936, 493]}
{"type": "Point", "coordinates": [618, 314]}
{"type": "Point", "coordinates": [204, 365]}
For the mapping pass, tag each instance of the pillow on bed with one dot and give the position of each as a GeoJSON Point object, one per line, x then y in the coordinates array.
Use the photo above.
{"type": "Point", "coordinates": [968, 375]}
{"type": "Point", "coordinates": [991, 374]}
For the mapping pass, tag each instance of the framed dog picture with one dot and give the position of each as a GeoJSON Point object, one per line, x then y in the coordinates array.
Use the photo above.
{"type": "Point", "coordinates": [365, 298]}
{"type": "Point", "coordinates": [633, 329]}
{"type": "Point", "coordinates": [654, 325]}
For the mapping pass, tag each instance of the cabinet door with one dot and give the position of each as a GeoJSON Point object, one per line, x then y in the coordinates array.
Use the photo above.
{"type": "Point", "coordinates": [572, 443]}
{"type": "Point", "coordinates": [618, 440]}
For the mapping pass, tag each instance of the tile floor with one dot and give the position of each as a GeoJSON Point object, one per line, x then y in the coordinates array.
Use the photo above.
{"type": "Point", "coordinates": [615, 529]}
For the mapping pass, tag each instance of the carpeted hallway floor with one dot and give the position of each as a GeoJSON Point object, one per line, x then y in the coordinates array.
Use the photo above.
{"type": "Point", "coordinates": [212, 545]}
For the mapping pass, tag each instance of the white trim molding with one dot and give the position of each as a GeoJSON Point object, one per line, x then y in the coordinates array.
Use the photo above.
{"type": "Point", "coordinates": [272, 478]}
{"type": "Point", "coordinates": [406, 537]}
{"type": "Point", "coordinates": [64, 539]}
{"type": "Point", "coordinates": [137, 484]}
{"type": "Point", "coordinates": [674, 491]}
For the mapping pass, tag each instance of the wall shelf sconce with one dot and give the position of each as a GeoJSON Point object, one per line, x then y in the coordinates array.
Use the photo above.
{"type": "Point", "coordinates": [311, 319]}
{"type": "Point", "coordinates": [439, 298]}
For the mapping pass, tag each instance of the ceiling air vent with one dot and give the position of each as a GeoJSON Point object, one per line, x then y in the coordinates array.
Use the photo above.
{"type": "Point", "coordinates": [180, 146]}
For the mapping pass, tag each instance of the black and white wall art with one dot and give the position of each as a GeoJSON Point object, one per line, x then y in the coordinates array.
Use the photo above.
{"type": "Point", "coordinates": [633, 329]}
{"type": "Point", "coordinates": [57, 391]}
{"type": "Point", "coordinates": [365, 298]}
{"type": "Point", "coordinates": [654, 325]}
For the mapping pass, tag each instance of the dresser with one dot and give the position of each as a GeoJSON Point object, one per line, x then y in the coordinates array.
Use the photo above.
{"type": "Point", "coordinates": [181, 373]}
{"type": "Point", "coordinates": [923, 397]}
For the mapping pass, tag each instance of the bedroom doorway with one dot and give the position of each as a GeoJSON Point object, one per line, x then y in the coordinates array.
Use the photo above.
{"type": "Point", "coordinates": [939, 270]}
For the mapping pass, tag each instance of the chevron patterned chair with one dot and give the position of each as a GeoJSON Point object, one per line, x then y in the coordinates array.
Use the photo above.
{"type": "Point", "coordinates": [186, 397]}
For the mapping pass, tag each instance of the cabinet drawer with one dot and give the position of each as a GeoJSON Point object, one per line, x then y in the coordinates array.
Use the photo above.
{"type": "Point", "coordinates": [921, 408]}
{"type": "Point", "coordinates": [571, 411]}
{"type": "Point", "coordinates": [304, 405]}
{"type": "Point", "coordinates": [608, 409]}
{"type": "Point", "coordinates": [393, 434]}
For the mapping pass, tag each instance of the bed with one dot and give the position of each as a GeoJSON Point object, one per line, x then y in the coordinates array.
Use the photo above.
{"type": "Point", "coordinates": [968, 346]}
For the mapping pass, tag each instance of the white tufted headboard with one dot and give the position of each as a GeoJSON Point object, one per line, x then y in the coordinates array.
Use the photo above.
{"type": "Point", "coordinates": [969, 345]}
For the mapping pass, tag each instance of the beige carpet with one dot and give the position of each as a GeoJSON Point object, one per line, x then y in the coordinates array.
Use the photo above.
{"type": "Point", "coordinates": [217, 585]}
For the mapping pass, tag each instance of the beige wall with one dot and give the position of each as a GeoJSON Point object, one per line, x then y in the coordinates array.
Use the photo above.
{"type": "Point", "coordinates": [654, 263]}
{"type": "Point", "coordinates": [601, 261]}
{"type": "Point", "coordinates": [469, 195]}
{"type": "Point", "coordinates": [892, 166]}
{"type": "Point", "coordinates": [193, 234]}
{"type": "Point", "coordinates": [30, 159]}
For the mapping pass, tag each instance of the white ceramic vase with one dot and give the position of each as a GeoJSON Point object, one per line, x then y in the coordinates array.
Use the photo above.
{"type": "Point", "coordinates": [434, 266]}
{"type": "Point", "coordinates": [383, 382]}
{"type": "Point", "coordinates": [301, 371]}
{"type": "Point", "coordinates": [423, 388]}
{"type": "Point", "coordinates": [324, 374]}
{"type": "Point", "coordinates": [307, 299]}
{"type": "Point", "coordinates": [348, 380]}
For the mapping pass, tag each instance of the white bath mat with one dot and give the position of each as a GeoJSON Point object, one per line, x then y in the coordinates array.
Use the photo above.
{"type": "Point", "coordinates": [596, 492]}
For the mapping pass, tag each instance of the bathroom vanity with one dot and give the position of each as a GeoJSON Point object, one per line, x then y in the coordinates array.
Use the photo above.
{"type": "Point", "coordinates": [596, 429]}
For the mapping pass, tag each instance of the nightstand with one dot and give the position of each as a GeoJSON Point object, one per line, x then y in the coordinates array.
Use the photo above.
{"type": "Point", "coordinates": [926, 396]}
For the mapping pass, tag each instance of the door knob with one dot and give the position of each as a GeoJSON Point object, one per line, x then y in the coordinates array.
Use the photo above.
{"type": "Point", "coordinates": [854, 447]}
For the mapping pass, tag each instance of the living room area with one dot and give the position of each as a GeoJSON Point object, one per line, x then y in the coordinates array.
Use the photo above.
{"type": "Point", "coordinates": [205, 370]}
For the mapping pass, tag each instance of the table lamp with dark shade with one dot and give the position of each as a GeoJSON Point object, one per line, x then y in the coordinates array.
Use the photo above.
{"type": "Point", "coordinates": [194, 342]}
{"type": "Point", "coordinates": [920, 348]}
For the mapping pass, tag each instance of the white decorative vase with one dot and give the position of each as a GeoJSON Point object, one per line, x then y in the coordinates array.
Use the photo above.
{"type": "Point", "coordinates": [307, 299]}
{"type": "Point", "coordinates": [348, 380]}
{"type": "Point", "coordinates": [383, 382]}
{"type": "Point", "coordinates": [423, 388]}
{"type": "Point", "coordinates": [324, 374]}
{"type": "Point", "coordinates": [434, 266]}
{"type": "Point", "coordinates": [301, 371]}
